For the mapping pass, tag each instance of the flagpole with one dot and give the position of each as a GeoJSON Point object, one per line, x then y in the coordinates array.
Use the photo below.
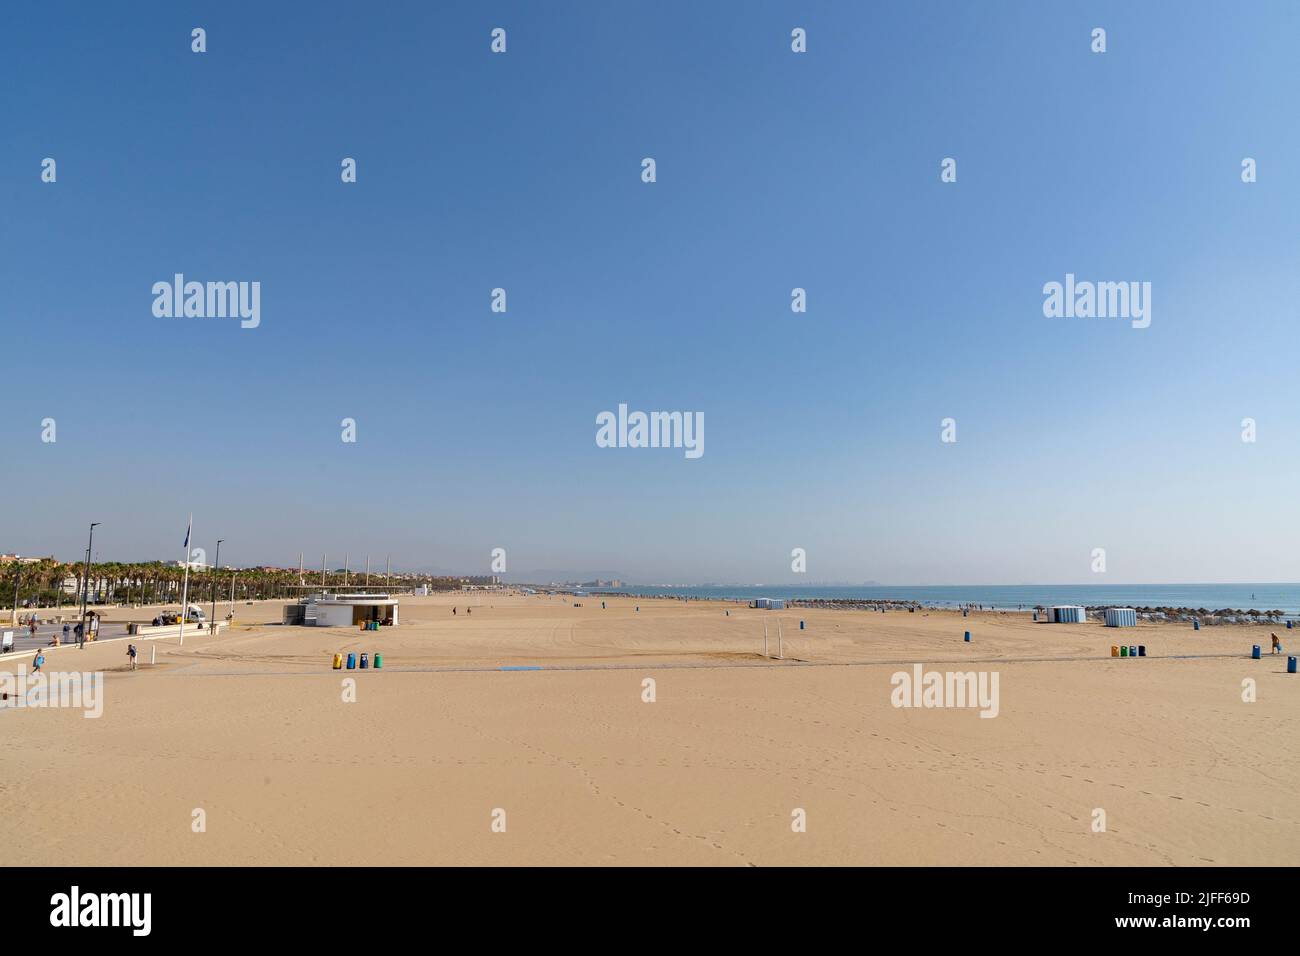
{"type": "Point", "coordinates": [185, 588]}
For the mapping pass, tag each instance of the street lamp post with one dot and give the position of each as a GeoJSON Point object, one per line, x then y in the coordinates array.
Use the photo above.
{"type": "Point", "coordinates": [18, 575]}
{"type": "Point", "coordinates": [216, 569]}
{"type": "Point", "coordinates": [85, 582]}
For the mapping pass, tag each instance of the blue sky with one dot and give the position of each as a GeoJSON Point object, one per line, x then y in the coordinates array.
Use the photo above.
{"type": "Point", "coordinates": [775, 170]}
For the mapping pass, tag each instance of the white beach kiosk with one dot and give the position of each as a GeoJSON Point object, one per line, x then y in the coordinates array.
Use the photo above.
{"type": "Point", "coordinates": [327, 609]}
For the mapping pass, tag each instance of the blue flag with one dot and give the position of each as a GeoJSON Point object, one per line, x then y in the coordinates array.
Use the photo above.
{"type": "Point", "coordinates": [187, 537]}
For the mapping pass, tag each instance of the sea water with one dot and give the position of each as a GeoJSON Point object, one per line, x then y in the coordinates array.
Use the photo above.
{"type": "Point", "coordinates": [1212, 597]}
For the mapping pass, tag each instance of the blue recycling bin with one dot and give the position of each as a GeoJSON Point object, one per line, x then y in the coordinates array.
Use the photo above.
{"type": "Point", "coordinates": [1290, 665]}
{"type": "Point", "coordinates": [1254, 651]}
{"type": "Point", "coordinates": [365, 662]}
{"type": "Point", "coordinates": [967, 637]}
{"type": "Point", "coordinates": [1196, 625]}
{"type": "Point", "coordinates": [1142, 650]}
{"type": "Point", "coordinates": [352, 662]}
{"type": "Point", "coordinates": [801, 625]}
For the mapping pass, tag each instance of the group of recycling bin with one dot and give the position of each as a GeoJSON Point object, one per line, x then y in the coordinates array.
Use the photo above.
{"type": "Point", "coordinates": [352, 662]}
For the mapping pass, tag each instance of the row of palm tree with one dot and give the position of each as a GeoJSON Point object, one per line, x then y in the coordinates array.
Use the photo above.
{"type": "Point", "coordinates": [53, 583]}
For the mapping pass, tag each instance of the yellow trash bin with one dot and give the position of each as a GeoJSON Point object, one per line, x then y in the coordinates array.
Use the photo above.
{"type": "Point", "coordinates": [338, 662]}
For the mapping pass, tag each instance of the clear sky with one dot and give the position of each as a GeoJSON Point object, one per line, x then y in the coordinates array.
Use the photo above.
{"type": "Point", "coordinates": [775, 170]}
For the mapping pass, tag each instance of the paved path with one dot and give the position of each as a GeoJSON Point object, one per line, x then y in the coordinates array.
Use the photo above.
{"type": "Point", "coordinates": [23, 641]}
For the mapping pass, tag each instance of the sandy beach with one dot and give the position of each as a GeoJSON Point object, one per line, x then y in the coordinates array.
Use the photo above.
{"type": "Point", "coordinates": [251, 728]}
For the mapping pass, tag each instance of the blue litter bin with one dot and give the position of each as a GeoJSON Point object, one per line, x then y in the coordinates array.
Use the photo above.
{"type": "Point", "coordinates": [352, 662]}
{"type": "Point", "coordinates": [801, 625]}
{"type": "Point", "coordinates": [967, 637]}
{"type": "Point", "coordinates": [1254, 651]}
{"type": "Point", "coordinates": [1196, 625]}
{"type": "Point", "coordinates": [1290, 665]}
{"type": "Point", "coordinates": [1142, 650]}
{"type": "Point", "coordinates": [365, 662]}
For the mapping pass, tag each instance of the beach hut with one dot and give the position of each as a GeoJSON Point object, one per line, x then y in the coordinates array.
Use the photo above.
{"type": "Point", "coordinates": [341, 610]}
{"type": "Point", "coordinates": [1121, 617]}
{"type": "Point", "coordinates": [759, 603]}
{"type": "Point", "coordinates": [1069, 614]}
{"type": "Point", "coordinates": [776, 604]}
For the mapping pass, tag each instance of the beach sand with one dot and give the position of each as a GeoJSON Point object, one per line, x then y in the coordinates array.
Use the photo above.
{"type": "Point", "coordinates": [251, 728]}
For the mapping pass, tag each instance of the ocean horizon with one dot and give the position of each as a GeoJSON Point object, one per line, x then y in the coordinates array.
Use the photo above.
{"type": "Point", "coordinates": [1212, 597]}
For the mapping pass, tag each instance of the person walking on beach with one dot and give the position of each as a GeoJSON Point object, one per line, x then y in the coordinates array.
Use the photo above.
{"type": "Point", "coordinates": [130, 652]}
{"type": "Point", "coordinates": [1277, 645]}
{"type": "Point", "coordinates": [453, 612]}
{"type": "Point", "coordinates": [37, 662]}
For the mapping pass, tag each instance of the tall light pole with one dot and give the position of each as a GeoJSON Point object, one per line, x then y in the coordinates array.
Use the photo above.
{"type": "Point", "coordinates": [85, 582]}
{"type": "Point", "coordinates": [18, 574]}
{"type": "Point", "coordinates": [216, 569]}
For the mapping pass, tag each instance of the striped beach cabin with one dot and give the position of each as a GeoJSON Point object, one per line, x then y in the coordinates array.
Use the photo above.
{"type": "Point", "coordinates": [1121, 617]}
{"type": "Point", "coordinates": [1069, 614]}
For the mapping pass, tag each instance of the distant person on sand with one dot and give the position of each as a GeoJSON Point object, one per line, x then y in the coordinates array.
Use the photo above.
{"type": "Point", "coordinates": [453, 612]}
{"type": "Point", "coordinates": [37, 662]}
{"type": "Point", "coordinates": [1277, 645]}
{"type": "Point", "coordinates": [469, 610]}
{"type": "Point", "coordinates": [66, 628]}
{"type": "Point", "coordinates": [130, 652]}
{"type": "Point", "coordinates": [80, 631]}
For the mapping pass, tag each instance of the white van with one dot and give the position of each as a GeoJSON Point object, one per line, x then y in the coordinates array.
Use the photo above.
{"type": "Point", "coordinates": [195, 615]}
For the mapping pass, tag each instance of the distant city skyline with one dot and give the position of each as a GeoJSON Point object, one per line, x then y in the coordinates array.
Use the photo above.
{"type": "Point", "coordinates": [1082, 184]}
